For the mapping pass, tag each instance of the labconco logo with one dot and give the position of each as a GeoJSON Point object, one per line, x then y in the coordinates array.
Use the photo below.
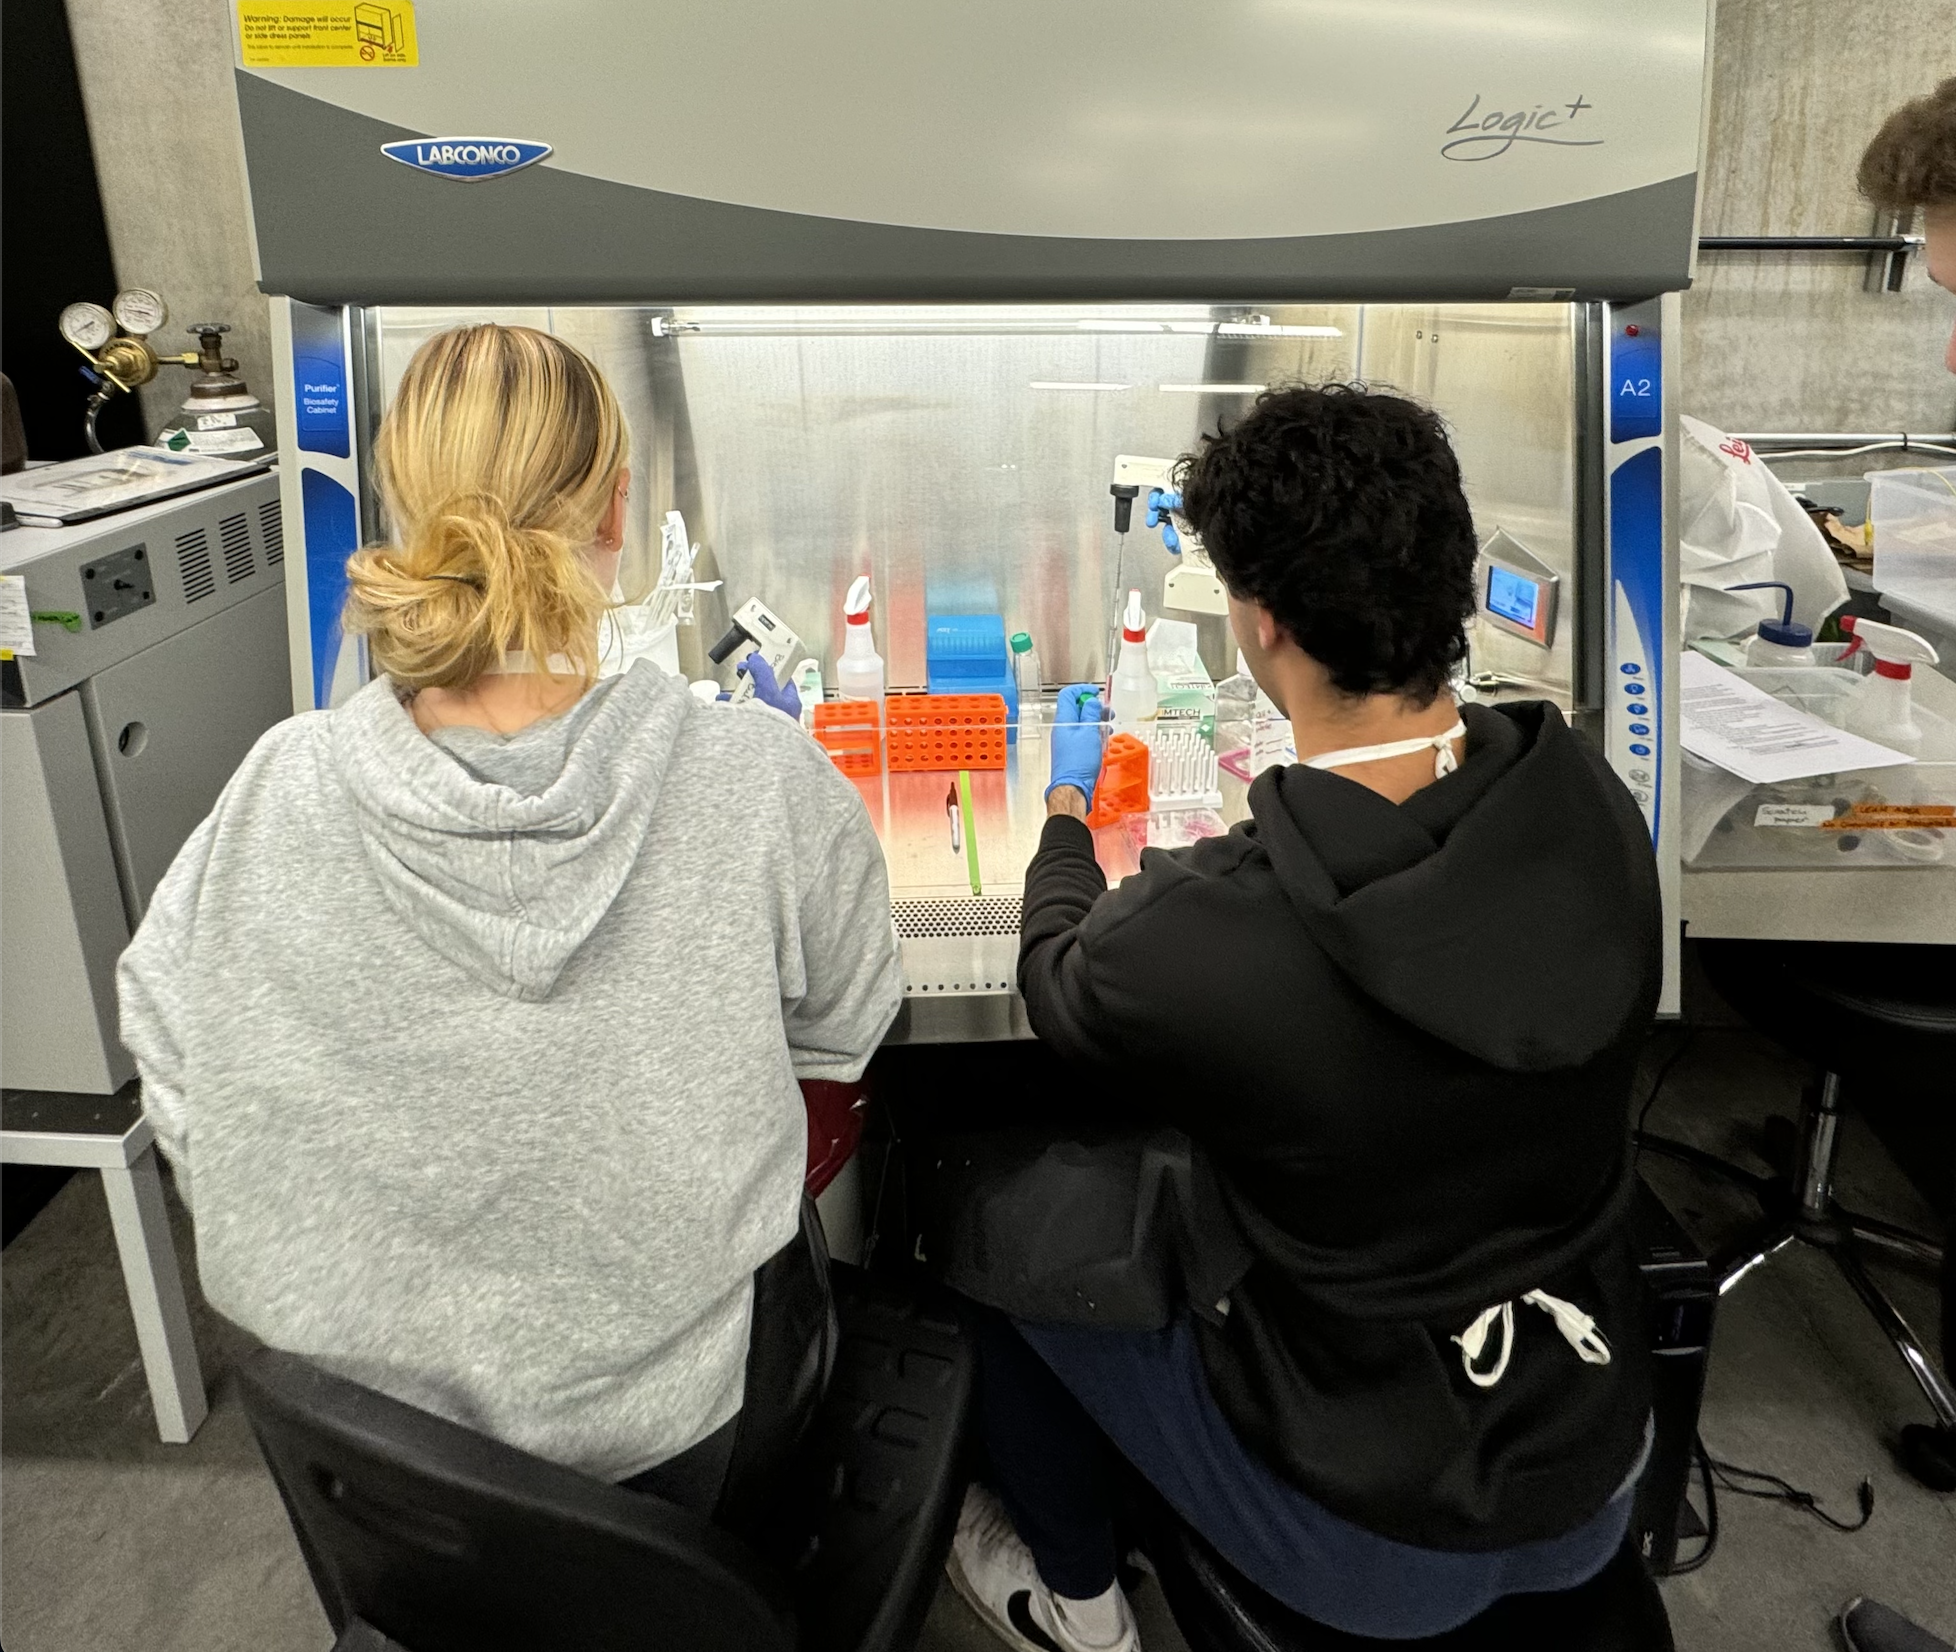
{"type": "Point", "coordinates": [465, 158]}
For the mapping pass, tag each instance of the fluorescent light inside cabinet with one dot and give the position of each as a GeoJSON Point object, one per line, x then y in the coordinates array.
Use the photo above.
{"type": "Point", "coordinates": [1250, 329]}
{"type": "Point", "coordinates": [1075, 384]}
{"type": "Point", "coordinates": [1095, 325]}
{"type": "Point", "coordinates": [1215, 389]}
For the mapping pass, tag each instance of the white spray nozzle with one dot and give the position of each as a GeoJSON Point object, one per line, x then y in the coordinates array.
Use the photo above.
{"type": "Point", "coordinates": [1133, 621]}
{"type": "Point", "coordinates": [857, 601]}
{"type": "Point", "coordinates": [1889, 642]}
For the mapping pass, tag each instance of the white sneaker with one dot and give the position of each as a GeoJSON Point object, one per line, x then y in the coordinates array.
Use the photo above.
{"type": "Point", "coordinates": [992, 1568]}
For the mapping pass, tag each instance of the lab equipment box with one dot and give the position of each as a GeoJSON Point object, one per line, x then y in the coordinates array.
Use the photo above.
{"type": "Point", "coordinates": [116, 736]}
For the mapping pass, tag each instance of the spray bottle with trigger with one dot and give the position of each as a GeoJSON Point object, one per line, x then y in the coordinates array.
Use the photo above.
{"type": "Point", "coordinates": [859, 673]}
{"type": "Point", "coordinates": [1132, 696]}
{"type": "Point", "coordinates": [1881, 707]}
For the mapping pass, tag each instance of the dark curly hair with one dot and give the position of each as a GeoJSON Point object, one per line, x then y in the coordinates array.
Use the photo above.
{"type": "Point", "coordinates": [1911, 161]}
{"type": "Point", "coordinates": [1339, 509]}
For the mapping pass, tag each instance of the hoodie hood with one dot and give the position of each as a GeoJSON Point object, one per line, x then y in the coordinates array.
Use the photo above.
{"type": "Point", "coordinates": [1437, 908]}
{"type": "Point", "coordinates": [504, 852]}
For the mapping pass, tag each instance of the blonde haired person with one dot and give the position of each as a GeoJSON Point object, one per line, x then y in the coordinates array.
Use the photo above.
{"type": "Point", "coordinates": [471, 1019]}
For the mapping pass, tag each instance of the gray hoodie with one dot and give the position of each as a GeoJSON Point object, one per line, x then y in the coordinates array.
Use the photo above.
{"type": "Point", "coordinates": [478, 1055]}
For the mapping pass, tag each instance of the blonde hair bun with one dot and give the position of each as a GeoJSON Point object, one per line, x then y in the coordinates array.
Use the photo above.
{"type": "Point", "coordinates": [495, 466]}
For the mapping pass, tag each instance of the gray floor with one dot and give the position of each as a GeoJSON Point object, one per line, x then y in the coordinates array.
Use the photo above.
{"type": "Point", "coordinates": [110, 1540]}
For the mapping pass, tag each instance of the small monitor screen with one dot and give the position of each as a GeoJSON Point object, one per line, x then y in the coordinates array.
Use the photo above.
{"type": "Point", "coordinates": [1512, 597]}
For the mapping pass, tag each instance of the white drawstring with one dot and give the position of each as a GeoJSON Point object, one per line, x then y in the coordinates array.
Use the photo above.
{"type": "Point", "coordinates": [1444, 761]}
{"type": "Point", "coordinates": [1577, 1328]}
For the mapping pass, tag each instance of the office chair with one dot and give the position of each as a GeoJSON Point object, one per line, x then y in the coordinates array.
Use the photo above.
{"type": "Point", "coordinates": [424, 1536]}
{"type": "Point", "coordinates": [1218, 1610]}
{"type": "Point", "coordinates": [1873, 1013]}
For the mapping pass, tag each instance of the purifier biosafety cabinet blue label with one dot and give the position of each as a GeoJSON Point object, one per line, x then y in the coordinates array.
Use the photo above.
{"type": "Point", "coordinates": [319, 481]}
{"type": "Point", "coordinates": [466, 159]}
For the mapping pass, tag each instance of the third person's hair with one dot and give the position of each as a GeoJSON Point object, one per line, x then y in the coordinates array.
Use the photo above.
{"type": "Point", "coordinates": [1911, 161]}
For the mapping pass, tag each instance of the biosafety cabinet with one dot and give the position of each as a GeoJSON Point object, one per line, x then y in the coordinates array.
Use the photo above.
{"type": "Point", "coordinates": [888, 289]}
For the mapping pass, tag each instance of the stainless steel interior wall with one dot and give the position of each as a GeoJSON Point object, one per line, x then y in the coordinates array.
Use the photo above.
{"type": "Point", "coordinates": [961, 456]}
{"type": "Point", "coordinates": [1503, 375]}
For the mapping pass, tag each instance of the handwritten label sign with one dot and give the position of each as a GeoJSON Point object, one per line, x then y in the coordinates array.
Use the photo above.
{"type": "Point", "coordinates": [16, 622]}
{"type": "Point", "coordinates": [1488, 134]}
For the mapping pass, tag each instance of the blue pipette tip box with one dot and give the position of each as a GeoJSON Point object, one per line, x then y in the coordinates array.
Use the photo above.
{"type": "Point", "coordinates": [967, 654]}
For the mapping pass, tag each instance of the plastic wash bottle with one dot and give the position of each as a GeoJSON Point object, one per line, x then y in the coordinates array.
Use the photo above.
{"type": "Point", "coordinates": [1783, 641]}
{"type": "Point", "coordinates": [1881, 707]}
{"type": "Point", "coordinates": [859, 673]}
{"type": "Point", "coordinates": [1132, 696]}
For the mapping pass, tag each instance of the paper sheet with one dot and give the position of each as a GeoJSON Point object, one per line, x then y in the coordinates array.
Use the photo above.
{"type": "Point", "coordinates": [16, 620]}
{"type": "Point", "coordinates": [1745, 731]}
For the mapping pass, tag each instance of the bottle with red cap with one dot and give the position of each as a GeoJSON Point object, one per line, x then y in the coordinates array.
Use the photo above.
{"type": "Point", "coordinates": [1881, 707]}
{"type": "Point", "coordinates": [859, 673]}
{"type": "Point", "coordinates": [1132, 696]}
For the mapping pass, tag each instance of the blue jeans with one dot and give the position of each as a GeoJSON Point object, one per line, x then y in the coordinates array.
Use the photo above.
{"type": "Point", "coordinates": [1047, 1420]}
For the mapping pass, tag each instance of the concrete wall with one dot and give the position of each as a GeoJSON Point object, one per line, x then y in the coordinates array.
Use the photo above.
{"type": "Point", "coordinates": [156, 80]}
{"type": "Point", "coordinates": [1791, 341]}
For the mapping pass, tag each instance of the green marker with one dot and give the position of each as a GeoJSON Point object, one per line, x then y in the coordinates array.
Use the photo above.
{"type": "Point", "coordinates": [970, 831]}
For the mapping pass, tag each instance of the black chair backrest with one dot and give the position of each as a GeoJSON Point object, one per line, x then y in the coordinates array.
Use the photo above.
{"type": "Point", "coordinates": [445, 1540]}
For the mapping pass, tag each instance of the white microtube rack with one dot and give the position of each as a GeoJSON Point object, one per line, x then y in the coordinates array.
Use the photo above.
{"type": "Point", "coordinates": [1181, 769]}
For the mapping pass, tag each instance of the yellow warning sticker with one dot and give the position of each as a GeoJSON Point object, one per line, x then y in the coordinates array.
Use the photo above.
{"type": "Point", "coordinates": [326, 34]}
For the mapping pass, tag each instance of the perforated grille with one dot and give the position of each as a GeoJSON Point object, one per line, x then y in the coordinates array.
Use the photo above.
{"type": "Point", "coordinates": [234, 534]}
{"type": "Point", "coordinates": [194, 564]}
{"type": "Point", "coordinates": [271, 529]}
{"type": "Point", "coordinates": [986, 915]}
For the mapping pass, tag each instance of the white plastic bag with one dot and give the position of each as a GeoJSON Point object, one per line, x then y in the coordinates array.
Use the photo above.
{"type": "Point", "coordinates": [1738, 525]}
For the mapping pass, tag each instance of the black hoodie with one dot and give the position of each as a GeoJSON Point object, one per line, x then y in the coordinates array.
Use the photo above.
{"type": "Point", "coordinates": [1406, 1035]}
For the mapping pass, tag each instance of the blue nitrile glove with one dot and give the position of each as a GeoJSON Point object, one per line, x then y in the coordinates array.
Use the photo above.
{"type": "Point", "coordinates": [1162, 503]}
{"type": "Point", "coordinates": [1079, 734]}
{"type": "Point", "coordinates": [767, 690]}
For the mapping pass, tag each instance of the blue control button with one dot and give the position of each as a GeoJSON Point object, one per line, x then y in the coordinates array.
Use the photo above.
{"type": "Point", "coordinates": [1640, 728]}
{"type": "Point", "coordinates": [1638, 711]}
{"type": "Point", "coordinates": [1630, 670]}
{"type": "Point", "coordinates": [1635, 688]}
{"type": "Point", "coordinates": [1641, 751]}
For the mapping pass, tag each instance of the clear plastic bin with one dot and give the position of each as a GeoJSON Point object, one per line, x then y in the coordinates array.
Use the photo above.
{"type": "Point", "coordinates": [1862, 818]}
{"type": "Point", "coordinates": [1913, 515]}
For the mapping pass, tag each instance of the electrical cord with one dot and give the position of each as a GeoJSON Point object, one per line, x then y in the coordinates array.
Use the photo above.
{"type": "Point", "coordinates": [1715, 1474]}
{"type": "Point", "coordinates": [1679, 1568]}
{"type": "Point", "coordinates": [1657, 1085]}
{"type": "Point", "coordinates": [1776, 1490]}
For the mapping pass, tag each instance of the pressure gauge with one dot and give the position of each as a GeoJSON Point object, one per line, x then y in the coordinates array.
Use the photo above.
{"type": "Point", "coordinates": [140, 311]}
{"type": "Point", "coordinates": [87, 326]}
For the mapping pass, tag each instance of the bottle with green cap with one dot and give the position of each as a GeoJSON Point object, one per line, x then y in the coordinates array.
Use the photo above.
{"type": "Point", "coordinates": [1025, 673]}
